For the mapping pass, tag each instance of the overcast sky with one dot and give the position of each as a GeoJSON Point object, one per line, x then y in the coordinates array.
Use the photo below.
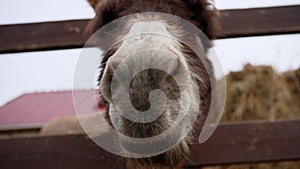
{"type": "Point", "coordinates": [53, 70]}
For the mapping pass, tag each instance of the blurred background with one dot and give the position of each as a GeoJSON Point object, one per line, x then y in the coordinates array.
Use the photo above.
{"type": "Point", "coordinates": [262, 72]}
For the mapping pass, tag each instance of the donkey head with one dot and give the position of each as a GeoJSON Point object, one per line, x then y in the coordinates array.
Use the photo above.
{"type": "Point", "coordinates": [155, 86]}
{"type": "Point", "coordinates": [150, 83]}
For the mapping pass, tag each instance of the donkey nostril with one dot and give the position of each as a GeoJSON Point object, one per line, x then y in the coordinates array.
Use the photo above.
{"type": "Point", "coordinates": [106, 79]}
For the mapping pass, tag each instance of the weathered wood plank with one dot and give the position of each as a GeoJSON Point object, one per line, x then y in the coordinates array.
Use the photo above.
{"type": "Point", "coordinates": [68, 34]}
{"type": "Point", "coordinates": [42, 36]}
{"type": "Point", "coordinates": [59, 152]}
{"type": "Point", "coordinates": [250, 142]}
{"type": "Point", "coordinates": [231, 143]}
{"type": "Point", "coordinates": [260, 21]}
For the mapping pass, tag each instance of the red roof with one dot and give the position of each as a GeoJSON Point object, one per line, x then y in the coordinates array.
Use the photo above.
{"type": "Point", "coordinates": [38, 108]}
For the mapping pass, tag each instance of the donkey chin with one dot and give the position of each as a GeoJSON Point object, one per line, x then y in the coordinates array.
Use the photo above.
{"type": "Point", "coordinates": [161, 75]}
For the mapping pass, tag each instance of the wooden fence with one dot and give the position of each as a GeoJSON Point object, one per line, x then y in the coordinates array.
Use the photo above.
{"type": "Point", "coordinates": [231, 143]}
{"type": "Point", "coordinates": [68, 34]}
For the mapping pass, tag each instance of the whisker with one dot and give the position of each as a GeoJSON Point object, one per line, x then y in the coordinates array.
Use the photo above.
{"type": "Point", "coordinates": [189, 160]}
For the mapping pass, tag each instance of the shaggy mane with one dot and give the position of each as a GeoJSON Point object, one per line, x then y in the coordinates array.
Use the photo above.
{"type": "Point", "coordinates": [199, 12]}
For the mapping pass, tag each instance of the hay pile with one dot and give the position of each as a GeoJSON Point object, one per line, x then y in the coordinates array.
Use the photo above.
{"type": "Point", "coordinates": [259, 93]}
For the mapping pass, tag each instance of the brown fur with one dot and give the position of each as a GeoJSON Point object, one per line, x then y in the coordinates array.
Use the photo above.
{"type": "Point", "coordinates": [192, 10]}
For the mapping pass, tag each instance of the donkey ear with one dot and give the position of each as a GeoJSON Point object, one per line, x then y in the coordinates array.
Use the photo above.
{"type": "Point", "coordinates": [106, 12]}
{"type": "Point", "coordinates": [209, 4]}
{"type": "Point", "coordinates": [206, 16]}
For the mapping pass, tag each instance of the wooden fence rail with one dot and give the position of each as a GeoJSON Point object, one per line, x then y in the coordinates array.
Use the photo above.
{"type": "Point", "coordinates": [68, 34]}
{"type": "Point", "coordinates": [231, 143]}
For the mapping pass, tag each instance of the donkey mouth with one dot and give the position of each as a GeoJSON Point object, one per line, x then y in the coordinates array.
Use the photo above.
{"type": "Point", "coordinates": [151, 146]}
{"type": "Point", "coordinates": [166, 133]}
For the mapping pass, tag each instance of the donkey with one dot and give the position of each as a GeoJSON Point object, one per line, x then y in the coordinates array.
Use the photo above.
{"type": "Point", "coordinates": [183, 61]}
